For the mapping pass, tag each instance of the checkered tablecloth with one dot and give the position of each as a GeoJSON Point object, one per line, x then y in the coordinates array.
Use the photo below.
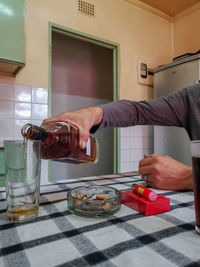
{"type": "Point", "coordinates": [58, 238]}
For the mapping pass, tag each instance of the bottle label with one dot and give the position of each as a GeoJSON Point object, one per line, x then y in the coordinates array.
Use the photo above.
{"type": "Point", "coordinates": [88, 148]}
{"type": "Point", "coordinates": [140, 190]}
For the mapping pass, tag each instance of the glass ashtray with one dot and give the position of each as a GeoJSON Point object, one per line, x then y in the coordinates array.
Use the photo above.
{"type": "Point", "coordinates": [94, 201]}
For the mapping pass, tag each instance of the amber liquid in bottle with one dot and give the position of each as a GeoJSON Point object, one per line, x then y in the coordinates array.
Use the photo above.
{"type": "Point", "coordinates": [60, 141]}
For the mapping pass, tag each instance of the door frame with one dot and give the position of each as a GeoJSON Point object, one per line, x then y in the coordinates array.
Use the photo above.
{"type": "Point", "coordinates": [116, 82]}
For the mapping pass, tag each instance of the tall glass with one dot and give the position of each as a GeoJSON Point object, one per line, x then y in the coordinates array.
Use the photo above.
{"type": "Point", "coordinates": [195, 153]}
{"type": "Point", "coordinates": [23, 168]}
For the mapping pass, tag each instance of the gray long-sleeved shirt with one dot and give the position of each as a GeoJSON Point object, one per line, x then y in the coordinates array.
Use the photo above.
{"type": "Point", "coordinates": [181, 109]}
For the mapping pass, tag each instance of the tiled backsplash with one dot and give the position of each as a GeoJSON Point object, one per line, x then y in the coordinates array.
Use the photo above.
{"type": "Point", "coordinates": [19, 105]}
{"type": "Point", "coordinates": [135, 141]}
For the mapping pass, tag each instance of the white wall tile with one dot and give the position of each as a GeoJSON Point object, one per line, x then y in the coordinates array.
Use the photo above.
{"type": "Point", "coordinates": [125, 142]}
{"type": "Point", "coordinates": [6, 91]}
{"type": "Point", "coordinates": [126, 155]}
{"type": "Point", "coordinates": [36, 122]}
{"type": "Point", "coordinates": [124, 131]}
{"type": "Point", "coordinates": [135, 166]}
{"type": "Point", "coordinates": [39, 111]}
{"type": "Point", "coordinates": [135, 142]}
{"type": "Point", "coordinates": [124, 166]}
{"type": "Point", "coordinates": [136, 131]}
{"type": "Point", "coordinates": [6, 109]}
{"type": "Point", "coordinates": [129, 167]}
{"type": "Point", "coordinates": [22, 110]}
{"type": "Point", "coordinates": [17, 138]}
{"type": "Point", "coordinates": [6, 128]}
{"type": "Point", "coordinates": [132, 166]}
{"type": "Point", "coordinates": [128, 129]}
{"type": "Point", "coordinates": [39, 95]}
{"type": "Point", "coordinates": [135, 154]}
{"type": "Point", "coordinates": [22, 93]}
{"type": "Point", "coordinates": [2, 138]}
{"type": "Point", "coordinates": [123, 154]}
{"type": "Point", "coordinates": [18, 107]}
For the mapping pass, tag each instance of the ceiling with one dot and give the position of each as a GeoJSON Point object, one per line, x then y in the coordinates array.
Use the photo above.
{"type": "Point", "coordinates": [171, 7]}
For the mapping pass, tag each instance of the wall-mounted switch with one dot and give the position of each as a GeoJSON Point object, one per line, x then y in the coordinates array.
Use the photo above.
{"type": "Point", "coordinates": [145, 72]}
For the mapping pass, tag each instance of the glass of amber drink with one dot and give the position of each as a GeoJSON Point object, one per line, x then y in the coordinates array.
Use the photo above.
{"type": "Point", "coordinates": [23, 168]}
{"type": "Point", "coordinates": [195, 152]}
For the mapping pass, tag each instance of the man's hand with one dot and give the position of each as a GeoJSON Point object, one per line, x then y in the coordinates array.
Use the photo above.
{"type": "Point", "coordinates": [163, 172]}
{"type": "Point", "coordinates": [83, 118]}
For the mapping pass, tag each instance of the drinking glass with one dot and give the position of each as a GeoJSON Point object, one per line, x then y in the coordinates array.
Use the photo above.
{"type": "Point", "coordinates": [195, 153]}
{"type": "Point", "coordinates": [23, 168]}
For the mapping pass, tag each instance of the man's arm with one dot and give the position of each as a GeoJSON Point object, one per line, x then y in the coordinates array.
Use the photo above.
{"type": "Point", "coordinates": [171, 110]}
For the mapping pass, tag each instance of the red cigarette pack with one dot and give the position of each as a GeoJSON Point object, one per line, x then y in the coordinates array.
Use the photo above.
{"type": "Point", "coordinates": [143, 205]}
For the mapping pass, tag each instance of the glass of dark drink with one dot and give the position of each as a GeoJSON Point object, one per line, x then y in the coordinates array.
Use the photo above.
{"type": "Point", "coordinates": [195, 153]}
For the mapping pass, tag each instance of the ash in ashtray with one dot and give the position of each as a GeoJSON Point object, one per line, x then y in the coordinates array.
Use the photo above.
{"type": "Point", "coordinates": [94, 199]}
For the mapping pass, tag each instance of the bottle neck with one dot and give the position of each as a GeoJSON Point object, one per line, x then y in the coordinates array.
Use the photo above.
{"type": "Point", "coordinates": [33, 132]}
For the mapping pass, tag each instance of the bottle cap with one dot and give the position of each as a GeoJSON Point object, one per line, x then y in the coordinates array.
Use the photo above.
{"type": "Point", "coordinates": [26, 129]}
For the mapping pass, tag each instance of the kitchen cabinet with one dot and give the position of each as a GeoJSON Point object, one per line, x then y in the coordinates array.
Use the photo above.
{"type": "Point", "coordinates": [2, 161]}
{"type": "Point", "coordinates": [2, 167]}
{"type": "Point", "coordinates": [12, 15]}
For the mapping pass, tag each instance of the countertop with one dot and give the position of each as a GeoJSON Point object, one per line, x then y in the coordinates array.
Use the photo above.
{"type": "Point", "coordinates": [128, 238]}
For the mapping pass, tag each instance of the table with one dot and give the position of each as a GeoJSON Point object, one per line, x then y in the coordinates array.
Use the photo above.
{"type": "Point", "coordinates": [58, 238]}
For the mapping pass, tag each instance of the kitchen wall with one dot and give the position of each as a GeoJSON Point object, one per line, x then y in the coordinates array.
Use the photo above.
{"type": "Point", "coordinates": [186, 28]}
{"type": "Point", "coordinates": [139, 33]}
{"type": "Point", "coordinates": [135, 142]}
{"type": "Point", "coordinates": [20, 104]}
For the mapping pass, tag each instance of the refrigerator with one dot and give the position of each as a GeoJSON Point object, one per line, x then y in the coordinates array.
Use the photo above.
{"type": "Point", "coordinates": [183, 72]}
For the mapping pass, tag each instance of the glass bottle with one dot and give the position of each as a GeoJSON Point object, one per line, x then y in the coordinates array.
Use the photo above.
{"type": "Point", "coordinates": [60, 141]}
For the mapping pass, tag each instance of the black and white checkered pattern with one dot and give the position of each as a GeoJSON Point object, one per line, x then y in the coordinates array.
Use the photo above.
{"type": "Point", "coordinates": [58, 238]}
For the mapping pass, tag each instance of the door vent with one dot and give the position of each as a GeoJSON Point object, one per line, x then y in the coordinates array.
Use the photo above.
{"type": "Point", "coordinates": [86, 8]}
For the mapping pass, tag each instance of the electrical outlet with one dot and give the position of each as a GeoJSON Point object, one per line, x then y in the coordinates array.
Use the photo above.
{"type": "Point", "coordinates": [145, 69]}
